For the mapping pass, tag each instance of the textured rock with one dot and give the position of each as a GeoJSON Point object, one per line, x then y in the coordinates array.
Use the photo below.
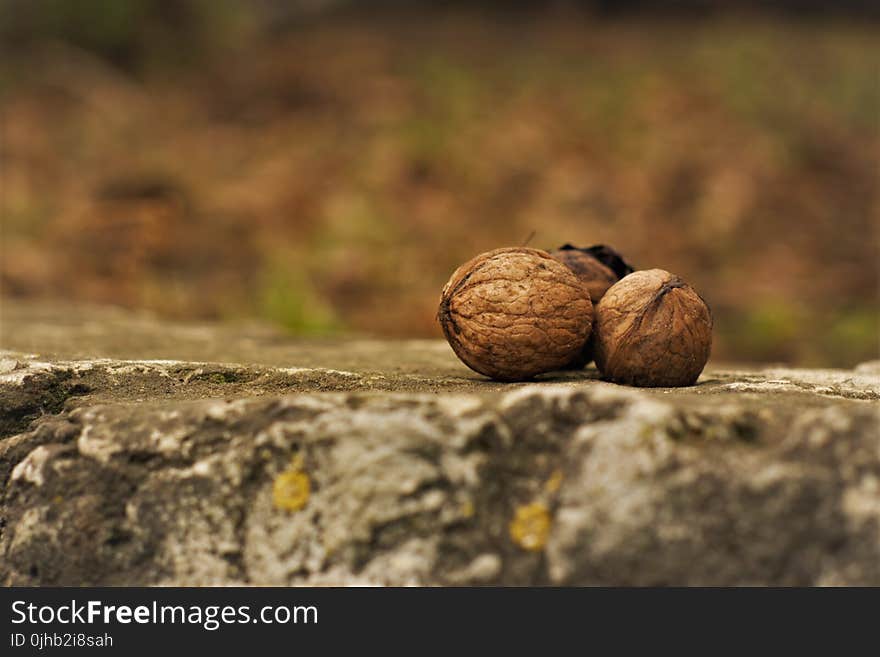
{"type": "Point", "coordinates": [366, 471]}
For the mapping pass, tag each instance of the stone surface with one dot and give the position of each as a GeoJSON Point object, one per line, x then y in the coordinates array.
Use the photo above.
{"type": "Point", "coordinates": [134, 451]}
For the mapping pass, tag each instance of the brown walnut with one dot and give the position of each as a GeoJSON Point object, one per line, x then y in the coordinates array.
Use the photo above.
{"type": "Point", "coordinates": [598, 268]}
{"type": "Point", "coordinates": [652, 329]}
{"type": "Point", "coordinates": [513, 313]}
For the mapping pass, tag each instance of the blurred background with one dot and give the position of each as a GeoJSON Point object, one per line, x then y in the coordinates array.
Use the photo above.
{"type": "Point", "coordinates": [326, 165]}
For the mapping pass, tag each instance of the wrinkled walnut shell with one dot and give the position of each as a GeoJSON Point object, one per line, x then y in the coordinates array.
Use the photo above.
{"type": "Point", "coordinates": [598, 268]}
{"type": "Point", "coordinates": [652, 329]}
{"type": "Point", "coordinates": [513, 313]}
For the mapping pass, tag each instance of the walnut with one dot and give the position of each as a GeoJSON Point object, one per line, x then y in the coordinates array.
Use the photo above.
{"type": "Point", "coordinates": [598, 268]}
{"type": "Point", "coordinates": [513, 313]}
{"type": "Point", "coordinates": [653, 330]}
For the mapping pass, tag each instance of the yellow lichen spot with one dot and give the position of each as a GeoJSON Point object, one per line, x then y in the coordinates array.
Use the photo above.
{"type": "Point", "coordinates": [296, 462]}
{"type": "Point", "coordinates": [554, 482]}
{"type": "Point", "coordinates": [467, 509]}
{"type": "Point", "coordinates": [291, 490]}
{"type": "Point", "coordinates": [531, 526]}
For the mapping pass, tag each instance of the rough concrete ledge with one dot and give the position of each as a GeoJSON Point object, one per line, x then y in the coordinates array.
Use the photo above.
{"type": "Point", "coordinates": [365, 462]}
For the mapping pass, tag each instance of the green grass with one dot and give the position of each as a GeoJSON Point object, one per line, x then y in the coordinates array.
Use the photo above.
{"type": "Point", "coordinates": [780, 331]}
{"type": "Point", "coordinates": [287, 297]}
